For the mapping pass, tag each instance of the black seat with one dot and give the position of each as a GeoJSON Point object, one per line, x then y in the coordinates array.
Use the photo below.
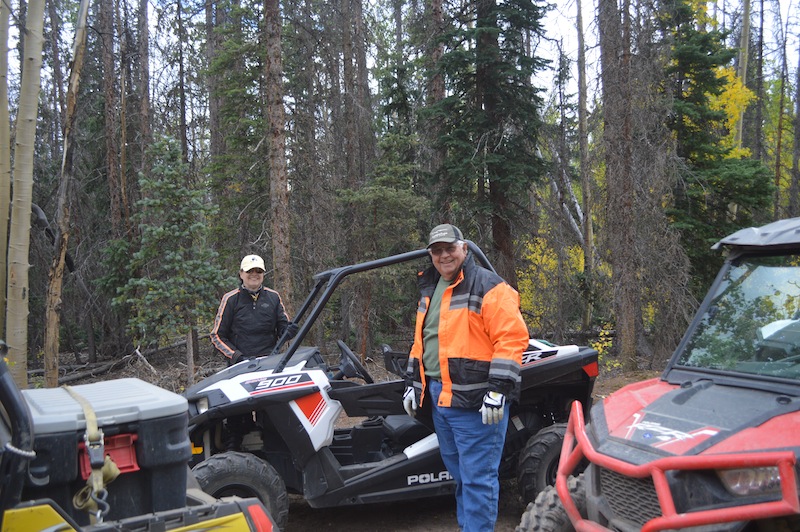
{"type": "Point", "coordinates": [404, 429]}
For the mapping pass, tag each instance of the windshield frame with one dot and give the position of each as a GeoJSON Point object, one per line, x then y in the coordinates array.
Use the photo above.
{"type": "Point", "coordinates": [677, 371]}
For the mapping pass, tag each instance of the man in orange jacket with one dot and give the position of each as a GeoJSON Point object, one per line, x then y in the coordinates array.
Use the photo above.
{"type": "Point", "coordinates": [465, 360]}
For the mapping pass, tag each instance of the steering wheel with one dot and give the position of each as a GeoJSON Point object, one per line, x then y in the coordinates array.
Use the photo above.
{"type": "Point", "coordinates": [350, 356]}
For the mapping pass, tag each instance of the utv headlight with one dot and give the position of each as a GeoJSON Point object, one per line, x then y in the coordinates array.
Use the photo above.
{"type": "Point", "coordinates": [752, 481]}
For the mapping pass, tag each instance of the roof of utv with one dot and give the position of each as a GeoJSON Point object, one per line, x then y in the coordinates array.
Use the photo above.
{"type": "Point", "coordinates": [780, 234]}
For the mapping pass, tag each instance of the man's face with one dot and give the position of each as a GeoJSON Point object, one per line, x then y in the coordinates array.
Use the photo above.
{"type": "Point", "coordinates": [252, 279]}
{"type": "Point", "coordinates": [448, 258]}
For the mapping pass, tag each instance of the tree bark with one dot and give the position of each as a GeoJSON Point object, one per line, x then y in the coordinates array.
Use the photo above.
{"type": "Point", "coordinates": [365, 134]}
{"type": "Point", "coordinates": [106, 23]}
{"type": "Point", "coordinates": [56, 274]}
{"type": "Point", "coordinates": [486, 78]}
{"type": "Point", "coordinates": [144, 82]}
{"type": "Point", "coordinates": [794, 190]}
{"type": "Point", "coordinates": [20, 229]}
{"type": "Point", "coordinates": [5, 162]}
{"type": "Point", "coordinates": [587, 245]}
{"type": "Point", "coordinates": [216, 136]}
{"type": "Point", "coordinates": [278, 182]}
{"type": "Point", "coordinates": [58, 74]}
{"type": "Point", "coordinates": [123, 120]}
{"type": "Point", "coordinates": [349, 83]}
{"type": "Point", "coordinates": [758, 133]}
{"type": "Point", "coordinates": [779, 130]}
{"type": "Point", "coordinates": [182, 84]}
{"type": "Point", "coordinates": [191, 354]}
{"type": "Point", "coordinates": [615, 49]}
{"type": "Point", "coordinates": [744, 46]}
{"type": "Point", "coordinates": [435, 93]}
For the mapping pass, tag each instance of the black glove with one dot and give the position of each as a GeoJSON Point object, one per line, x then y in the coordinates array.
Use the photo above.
{"type": "Point", "coordinates": [292, 329]}
{"type": "Point", "coordinates": [237, 357]}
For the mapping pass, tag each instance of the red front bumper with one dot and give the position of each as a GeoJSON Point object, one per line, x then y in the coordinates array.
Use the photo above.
{"type": "Point", "coordinates": [577, 447]}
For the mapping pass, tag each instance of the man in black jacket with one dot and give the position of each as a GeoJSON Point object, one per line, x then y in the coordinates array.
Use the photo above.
{"type": "Point", "coordinates": [251, 318]}
{"type": "Point", "coordinates": [249, 322]}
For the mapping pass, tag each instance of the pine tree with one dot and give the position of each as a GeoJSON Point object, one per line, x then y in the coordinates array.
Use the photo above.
{"type": "Point", "coordinates": [175, 277]}
{"type": "Point", "coordinates": [718, 192]}
{"type": "Point", "coordinates": [489, 122]}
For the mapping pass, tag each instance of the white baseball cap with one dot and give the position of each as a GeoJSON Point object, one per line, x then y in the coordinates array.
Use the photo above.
{"type": "Point", "coordinates": [252, 261]}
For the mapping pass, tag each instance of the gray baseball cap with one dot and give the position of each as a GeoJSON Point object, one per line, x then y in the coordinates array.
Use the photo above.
{"type": "Point", "coordinates": [448, 233]}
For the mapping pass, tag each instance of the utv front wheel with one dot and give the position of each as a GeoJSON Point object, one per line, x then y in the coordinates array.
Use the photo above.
{"type": "Point", "coordinates": [245, 475]}
{"type": "Point", "coordinates": [547, 513]}
{"type": "Point", "coordinates": [538, 461]}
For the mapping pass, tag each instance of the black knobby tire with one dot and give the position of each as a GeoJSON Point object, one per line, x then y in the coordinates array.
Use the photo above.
{"type": "Point", "coordinates": [547, 513]}
{"type": "Point", "coordinates": [538, 461]}
{"type": "Point", "coordinates": [245, 475]}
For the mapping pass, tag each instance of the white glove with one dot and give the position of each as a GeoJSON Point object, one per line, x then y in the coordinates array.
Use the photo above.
{"type": "Point", "coordinates": [493, 408]}
{"type": "Point", "coordinates": [410, 401]}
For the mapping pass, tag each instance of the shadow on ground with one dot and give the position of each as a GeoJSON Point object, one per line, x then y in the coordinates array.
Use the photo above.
{"type": "Point", "coordinates": [436, 514]}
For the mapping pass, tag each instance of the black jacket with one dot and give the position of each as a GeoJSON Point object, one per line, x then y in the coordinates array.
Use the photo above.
{"type": "Point", "coordinates": [247, 326]}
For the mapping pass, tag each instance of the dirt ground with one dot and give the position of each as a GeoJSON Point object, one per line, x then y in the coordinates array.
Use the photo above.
{"type": "Point", "coordinates": [430, 515]}
{"type": "Point", "coordinates": [168, 370]}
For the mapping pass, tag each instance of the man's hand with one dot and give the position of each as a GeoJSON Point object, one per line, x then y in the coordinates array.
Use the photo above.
{"type": "Point", "coordinates": [292, 329]}
{"type": "Point", "coordinates": [410, 401]}
{"type": "Point", "coordinates": [493, 408]}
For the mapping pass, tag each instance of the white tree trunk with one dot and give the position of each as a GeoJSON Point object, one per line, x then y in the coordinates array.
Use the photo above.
{"type": "Point", "coordinates": [5, 160]}
{"type": "Point", "coordinates": [20, 229]}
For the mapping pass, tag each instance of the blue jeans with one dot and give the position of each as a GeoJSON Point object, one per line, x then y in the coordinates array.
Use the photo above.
{"type": "Point", "coordinates": [471, 451]}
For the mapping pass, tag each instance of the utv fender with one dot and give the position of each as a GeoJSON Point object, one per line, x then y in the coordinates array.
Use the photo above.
{"type": "Point", "coordinates": [538, 461]}
{"type": "Point", "coordinates": [245, 475]}
{"type": "Point", "coordinates": [547, 513]}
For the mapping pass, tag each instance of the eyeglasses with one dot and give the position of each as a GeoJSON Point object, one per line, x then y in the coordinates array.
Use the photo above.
{"type": "Point", "coordinates": [255, 270]}
{"type": "Point", "coordinates": [452, 248]}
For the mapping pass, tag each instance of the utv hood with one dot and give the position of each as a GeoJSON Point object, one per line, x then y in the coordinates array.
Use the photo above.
{"type": "Point", "coordinates": [698, 417]}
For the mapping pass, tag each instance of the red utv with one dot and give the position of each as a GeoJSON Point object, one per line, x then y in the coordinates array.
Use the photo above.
{"type": "Point", "coordinates": [712, 444]}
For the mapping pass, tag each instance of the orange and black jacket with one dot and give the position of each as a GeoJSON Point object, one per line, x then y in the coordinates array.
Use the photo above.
{"type": "Point", "coordinates": [247, 327]}
{"type": "Point", "coordinates": [481, 337]}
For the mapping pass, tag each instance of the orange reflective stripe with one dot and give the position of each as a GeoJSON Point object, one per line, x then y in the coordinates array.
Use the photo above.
{"type": "Point", "coordinates": [223, 348]}
{"type": "Point", "coordinates": [486, 327]}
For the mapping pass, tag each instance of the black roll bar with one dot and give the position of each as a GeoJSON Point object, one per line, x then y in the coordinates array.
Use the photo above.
{"type": "Point", "coordinates": [327, 281]}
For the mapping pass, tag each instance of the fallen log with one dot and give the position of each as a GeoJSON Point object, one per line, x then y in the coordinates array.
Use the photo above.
{"type": "Point", "coordinates": [103, 367]}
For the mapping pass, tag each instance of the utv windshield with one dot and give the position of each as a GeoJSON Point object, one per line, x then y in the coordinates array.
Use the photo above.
{"type": "Point", "coordinates": [753, 322]}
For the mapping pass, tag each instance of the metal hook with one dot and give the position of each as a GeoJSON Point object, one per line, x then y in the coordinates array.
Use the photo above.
{"type": "Point", "coordinates": [102, 506]}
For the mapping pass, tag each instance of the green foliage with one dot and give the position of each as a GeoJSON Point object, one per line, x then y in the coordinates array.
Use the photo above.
{"type": "Point", "coordinates": [117, 269]}
{"type": "Point", "coordinates": [540, 282]}
{"type": "Point", "coordinates": [489, 121]}
{"type": "Point", "coordinates": [385, 215]}
{"type": "Point", "coordinates": [719, 199]}
{"type": "Point", "coordinates": [385, 220]}
{"type": "Point", "coordinates": [717, 194]}
{"type": "Point", "coordinates": [553, 288]}
{"type": "Point", "coordinates": [175, 277]}
{"type": "Point", "coordinates": [238, 176]}
{"type": "Point", "coordinates": [694, 76]}
{"type": "Point", "coordinates": [397, 94]}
